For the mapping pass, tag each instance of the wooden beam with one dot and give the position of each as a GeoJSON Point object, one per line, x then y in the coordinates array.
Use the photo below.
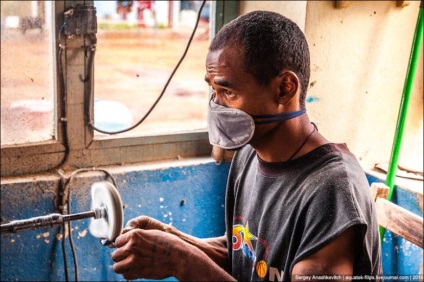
{"type": "Point", "coordinates": [395, 218]}
{"type": "Point", "coordinates": [400, 221]}
{"type": "Point", "coordinates": [341, 4]}
{"type": "Point", "coordinates": [402, 3]}
{"type": "Point", "coordinates": [379, 190]}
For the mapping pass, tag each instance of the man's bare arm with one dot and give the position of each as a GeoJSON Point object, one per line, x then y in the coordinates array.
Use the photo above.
{"type": "Point", "coordinates": [335, 258]}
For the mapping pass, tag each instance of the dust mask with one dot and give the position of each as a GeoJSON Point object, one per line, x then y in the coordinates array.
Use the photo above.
{"type": "Point", "coordinates": [231, 128]}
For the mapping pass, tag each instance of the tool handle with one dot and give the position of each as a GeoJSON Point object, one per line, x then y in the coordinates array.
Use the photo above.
{"type": "Point", "coordinates": [32, 223]}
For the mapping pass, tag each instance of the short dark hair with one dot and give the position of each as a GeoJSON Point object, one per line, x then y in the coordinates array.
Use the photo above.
{"type": "Point", "coordinates": [270, 42]}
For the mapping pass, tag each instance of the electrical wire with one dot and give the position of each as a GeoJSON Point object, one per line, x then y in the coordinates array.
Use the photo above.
{"type": "Point", "coordinates": [65, 263]}
{"type": "Point", "coordinates": [91, 120]}
{"type": "Point", "coordinates": [71, 242]}
{"type": "Point", "coordinates": [63, 120]}
{"type": "Point", "coordinates": [63, 116]}
{"type": "Point", "coordinates": [67, 197]}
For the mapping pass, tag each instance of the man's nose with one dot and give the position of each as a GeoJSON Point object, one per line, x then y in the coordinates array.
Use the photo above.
{"type": "Point", "coordinates": [217, 99]}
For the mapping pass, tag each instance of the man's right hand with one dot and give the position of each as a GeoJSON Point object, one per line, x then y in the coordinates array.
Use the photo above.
{"type": "Point", "coordinates": [147, 223]}
{"type": "Point", "coordinates": [148, 248]}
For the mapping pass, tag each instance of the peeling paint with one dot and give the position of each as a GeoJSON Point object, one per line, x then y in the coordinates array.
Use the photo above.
{"type": "Point", "coordinates": [406, 248]}
{"type": "Point", "coordinates": [47, 241]}
{"type": "Point", "coordinates": [312, 99]}
{"type": "Point", "coordinates": [46, 234]}
{"type": "Point", "coordinates": [82, 233]}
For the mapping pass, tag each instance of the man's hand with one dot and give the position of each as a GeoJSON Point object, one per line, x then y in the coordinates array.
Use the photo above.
{"type": "Point", "coordinates": [147, 223]}
{"type": "Point", "coordinates": [151, 254]}
{"type": "Point", "coordinates": [148, 248]}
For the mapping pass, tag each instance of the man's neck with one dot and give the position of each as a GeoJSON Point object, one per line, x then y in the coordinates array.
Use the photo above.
{"type": "Point", "coordinates": [290, 139]}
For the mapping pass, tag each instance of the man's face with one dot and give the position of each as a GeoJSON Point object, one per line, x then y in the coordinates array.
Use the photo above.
{"type": "Point", "coordinates": [235, 88]}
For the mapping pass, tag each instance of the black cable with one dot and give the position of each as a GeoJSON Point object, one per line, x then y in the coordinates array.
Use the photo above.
{"type": "Point", "coordinates": [63, 120]}
{"type": "Point", "coordinates": [67, 192]}
{"type": "Point", "coordinates": [91, 121]}
{"type": "Point", "coordinates": [65, 263]}
{"type": "Point", "coordinates": [71, 241]}
{"type": "Point", "coordinates": [62, 185]}
{"type": "Point", "coordinates": [63, 116]}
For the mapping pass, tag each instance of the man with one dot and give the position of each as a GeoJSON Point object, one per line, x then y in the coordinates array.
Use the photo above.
{"type": "Point", "coordinates": [296, 204]}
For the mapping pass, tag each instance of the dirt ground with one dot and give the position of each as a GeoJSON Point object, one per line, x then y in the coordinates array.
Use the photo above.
{"type": "Point", "coordinates": [131, 67]}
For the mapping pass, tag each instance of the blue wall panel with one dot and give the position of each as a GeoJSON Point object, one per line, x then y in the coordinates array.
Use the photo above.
{"type": "Point", "coordinates": [400, 257]}
{"type": "Point", "coordinates": [190, 198]}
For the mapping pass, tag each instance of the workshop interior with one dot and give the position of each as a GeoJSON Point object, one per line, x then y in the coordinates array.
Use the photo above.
{"type": "Point", "coordinates": [103, 119]}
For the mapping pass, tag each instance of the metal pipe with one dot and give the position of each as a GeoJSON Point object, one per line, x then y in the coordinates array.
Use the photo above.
{"type": "Point", "coordinates": [50, 220]}
{"type": "Point", "coordinates": [404, 104]}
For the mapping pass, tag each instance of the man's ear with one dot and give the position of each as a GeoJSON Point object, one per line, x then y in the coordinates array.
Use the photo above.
{"type": "Point", "coordinates": [289, 86]}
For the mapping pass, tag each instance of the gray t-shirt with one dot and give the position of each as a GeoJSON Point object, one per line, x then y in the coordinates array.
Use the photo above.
{"type": "Point", "coordinates": [279, 213]}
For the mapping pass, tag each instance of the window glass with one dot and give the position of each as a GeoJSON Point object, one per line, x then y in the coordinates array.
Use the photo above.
{"type": "Point", "coordinates": [138, 45]}
{"type": "Point", "coordinates": [27, 80]}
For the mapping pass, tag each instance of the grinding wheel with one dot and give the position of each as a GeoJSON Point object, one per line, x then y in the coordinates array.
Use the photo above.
{"type": "Point", "coordinates": [104, 195]}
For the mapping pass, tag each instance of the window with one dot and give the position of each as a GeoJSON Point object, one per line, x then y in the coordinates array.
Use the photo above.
{"type": "Point", "coordinates": [138, 46]}
{"type": "Point", "coordinates": [27, 81]}
{"type": "Point", "coordinates": [124, 83]}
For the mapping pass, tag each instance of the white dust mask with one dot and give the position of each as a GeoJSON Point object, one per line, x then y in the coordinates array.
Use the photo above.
{"type": "Point", "coordinates": [231, 128]}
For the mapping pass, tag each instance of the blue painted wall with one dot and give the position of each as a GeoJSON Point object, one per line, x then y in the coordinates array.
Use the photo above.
{"type": "Point", "coordinates": [159, 193]}
{"type": "Point", "coordinates": [400, 257]}
{"type": "Point", "coordinates": [37, 255]}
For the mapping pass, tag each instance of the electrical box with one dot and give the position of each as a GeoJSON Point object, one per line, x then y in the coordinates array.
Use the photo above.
{"type": "Point", "coordinates": [80, 20]}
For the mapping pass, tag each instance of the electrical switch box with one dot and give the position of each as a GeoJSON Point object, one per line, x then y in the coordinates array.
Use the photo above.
{"type": "Point", "coordinates": [80, 20]}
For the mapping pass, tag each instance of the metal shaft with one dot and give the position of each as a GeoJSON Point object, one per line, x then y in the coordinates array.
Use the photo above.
{"type": "Point", "coordinates": [50, 220]}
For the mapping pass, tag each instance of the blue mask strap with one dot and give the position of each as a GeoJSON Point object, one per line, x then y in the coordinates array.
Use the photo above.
{"type": "Point", "coordinates": [277, 117]}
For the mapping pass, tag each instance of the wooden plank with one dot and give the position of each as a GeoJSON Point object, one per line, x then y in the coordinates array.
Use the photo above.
{"type": "Point", "coordinates": [400, 221]}
{"type": "Point", "coordinates": [341, 4]}
{"type": "Point", "coordinates": [379, 190]}
{"type": "Point", "coordinates": [402, 3]}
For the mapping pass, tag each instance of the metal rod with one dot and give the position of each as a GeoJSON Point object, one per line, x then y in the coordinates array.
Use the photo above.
{"type": "Point", "coordinates": [81, 215]}
{"type": "Point", "coordinates": [404, 104]}
{"type": "Point", "coordinates": [50, 220]}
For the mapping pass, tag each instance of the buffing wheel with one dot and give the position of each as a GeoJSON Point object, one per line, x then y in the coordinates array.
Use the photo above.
{"type": "Point", "coordinates": [105, 195]}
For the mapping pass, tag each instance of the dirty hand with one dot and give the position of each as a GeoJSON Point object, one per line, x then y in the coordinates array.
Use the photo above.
{"type": "Point", "coordinates": [147, 223]}
{"type": "Point", "coordinates": [144, 222]}
{"type": "Point", "coordinates": [148, 253]}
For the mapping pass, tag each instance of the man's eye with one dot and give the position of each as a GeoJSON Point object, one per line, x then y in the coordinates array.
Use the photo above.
{"type": "Point", "coordinates": [229, 93]}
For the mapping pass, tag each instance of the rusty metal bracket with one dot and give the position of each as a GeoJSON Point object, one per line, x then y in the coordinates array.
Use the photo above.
{"type": "Point", "coordinates": [80, 20]}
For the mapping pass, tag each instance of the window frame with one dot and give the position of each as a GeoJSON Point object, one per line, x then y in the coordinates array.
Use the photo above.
{"type": "Point", "coordinates": [81, 149]}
